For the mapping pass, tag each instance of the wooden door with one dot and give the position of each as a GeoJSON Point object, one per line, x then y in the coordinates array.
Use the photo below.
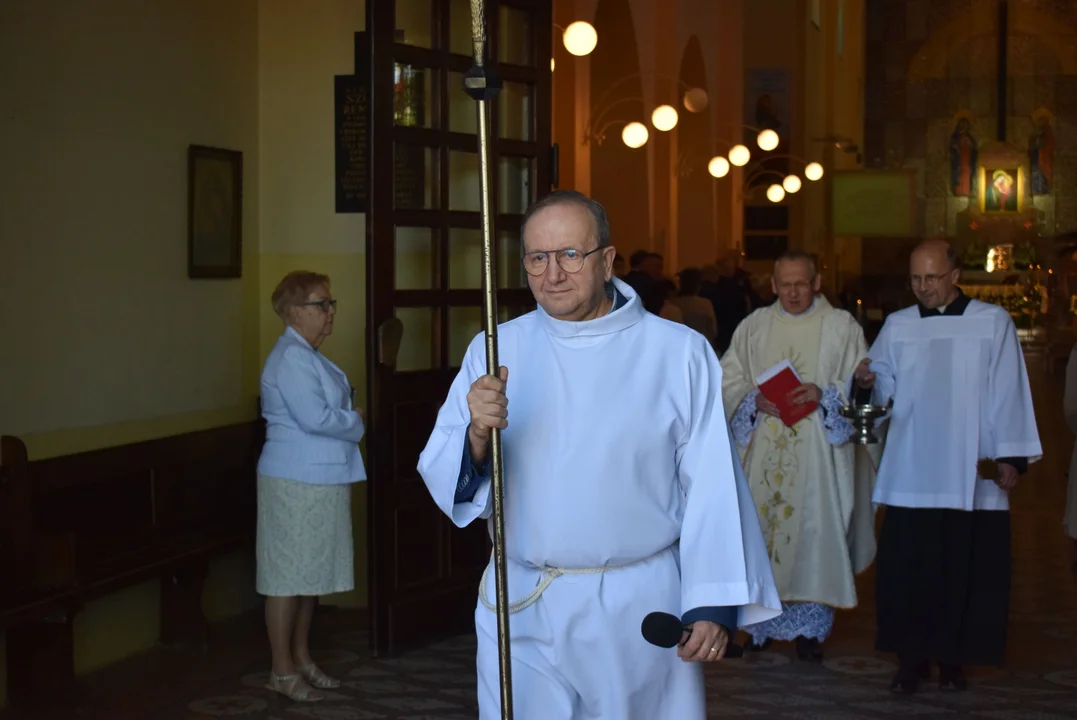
{"type": "Point", "coordinates": [424, 276]}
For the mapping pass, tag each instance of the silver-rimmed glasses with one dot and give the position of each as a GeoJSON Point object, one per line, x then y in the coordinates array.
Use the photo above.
{"type": "Point", "coordinates": [570, 260]}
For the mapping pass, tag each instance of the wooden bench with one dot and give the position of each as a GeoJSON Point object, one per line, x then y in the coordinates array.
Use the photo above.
{"type": "Point", "coordinates": [78, 527]}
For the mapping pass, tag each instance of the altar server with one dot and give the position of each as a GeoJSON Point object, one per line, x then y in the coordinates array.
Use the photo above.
{"type": "Point", "coordinates": [805, 477]}
{"type": "Point", "coordinates": [622, 493]}
{"type": "Point", "coordinates": [954, 369]}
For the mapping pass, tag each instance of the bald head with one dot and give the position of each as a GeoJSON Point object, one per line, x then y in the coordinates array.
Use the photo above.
{"type": "Point", "coordinates": [939, 248]}
{"type": "Point", "coordinates": [933, 273]}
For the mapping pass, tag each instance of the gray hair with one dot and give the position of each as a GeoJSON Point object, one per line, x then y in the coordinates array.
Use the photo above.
{"type": "Point", "coordinates": [571, 197]}
{"type": "Point", "coordinates": [796, 256]}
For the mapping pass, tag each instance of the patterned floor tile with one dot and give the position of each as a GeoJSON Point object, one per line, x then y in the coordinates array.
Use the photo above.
{"type": "Point", "coordinates": [851, 665]}
{"type": "Point", "coordinates": [1024, 714]}
{"type": "Point", "coordinates": [900, 708]}
{"type": "Point", "coordinates": [778, 699]}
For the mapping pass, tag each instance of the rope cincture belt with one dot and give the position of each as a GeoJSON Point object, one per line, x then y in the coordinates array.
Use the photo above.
{"type": "Point", "coordinates": [550, 574]}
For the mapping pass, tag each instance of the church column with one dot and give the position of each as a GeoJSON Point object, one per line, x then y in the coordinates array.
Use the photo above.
{"type": "Point", "coordinates": [664, 91]}
{"type": "Point", "coordinates": [727, 111]}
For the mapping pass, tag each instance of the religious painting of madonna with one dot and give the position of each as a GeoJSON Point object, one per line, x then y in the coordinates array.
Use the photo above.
{"type": "Point", "coordinates": [1001, 191]}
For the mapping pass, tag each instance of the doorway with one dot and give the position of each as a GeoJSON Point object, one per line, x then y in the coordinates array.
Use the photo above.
{"type": "Point", "coordinates": [424, 277]}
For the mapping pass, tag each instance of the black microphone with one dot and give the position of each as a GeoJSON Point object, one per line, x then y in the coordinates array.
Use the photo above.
{"type": "Point", "coordinates": [665, 630]}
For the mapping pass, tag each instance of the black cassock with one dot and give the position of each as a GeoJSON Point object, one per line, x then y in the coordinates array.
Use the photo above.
{"type": "Point", "coordinates": [942, 582]}
{"type": "Point", "coordinates": [942, 585]}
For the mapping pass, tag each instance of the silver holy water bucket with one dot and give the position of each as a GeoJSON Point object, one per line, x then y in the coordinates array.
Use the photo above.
{"type": "Point", "coordinates": [862, 418]}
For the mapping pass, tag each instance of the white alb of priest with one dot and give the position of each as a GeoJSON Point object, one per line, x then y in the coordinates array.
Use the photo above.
{"type": "Point", "coordinates": [623, 496]}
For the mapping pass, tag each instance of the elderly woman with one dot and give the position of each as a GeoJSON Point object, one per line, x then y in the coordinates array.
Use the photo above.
{"type": "Point", "coordinates": [310, 459]}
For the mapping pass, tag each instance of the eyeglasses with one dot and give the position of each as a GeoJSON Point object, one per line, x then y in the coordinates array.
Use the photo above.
{"type": "Point", "coordinates": [325, 305]}
{"type": "Point", "coordinates": [800, 286]}
{"type": "Point", "coordinates": [925, 280]}
{"type": "Point", "coordinates": [570, 260]}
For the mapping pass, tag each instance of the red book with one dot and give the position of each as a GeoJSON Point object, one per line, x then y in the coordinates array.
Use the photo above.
{"type": "Point", "coordinates": [776, 384]}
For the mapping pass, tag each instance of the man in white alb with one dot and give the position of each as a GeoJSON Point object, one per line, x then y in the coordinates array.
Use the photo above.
{"type": "Point", "coordinates": [962, 409]}
{"type": "Point", "coordinates": [813, 496]}
{"type": "Point", "coordinates": [622, 495]}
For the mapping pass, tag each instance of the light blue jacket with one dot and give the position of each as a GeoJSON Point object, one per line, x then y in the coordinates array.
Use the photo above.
{"type": "Point", "coordinates": [312, 429]}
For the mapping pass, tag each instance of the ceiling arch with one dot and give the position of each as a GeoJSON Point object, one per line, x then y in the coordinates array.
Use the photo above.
{"type": "Point", "coordinates": [932, 59]}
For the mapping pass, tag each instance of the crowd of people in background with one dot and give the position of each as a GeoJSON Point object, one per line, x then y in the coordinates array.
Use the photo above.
{"type": "Point", "coordinates": [712, 299]}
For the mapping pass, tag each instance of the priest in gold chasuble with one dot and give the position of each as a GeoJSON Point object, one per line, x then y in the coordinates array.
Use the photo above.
{"type": "Point", "coordinates": [811, 486]}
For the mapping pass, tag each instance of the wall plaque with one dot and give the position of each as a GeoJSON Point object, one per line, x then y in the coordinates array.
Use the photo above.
{"type": "Point", "coordinates": [352, 132]}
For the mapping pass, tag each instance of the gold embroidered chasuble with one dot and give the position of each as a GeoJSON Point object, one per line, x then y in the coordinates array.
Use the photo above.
{"type": "Point", "coordinates": [813, 498]}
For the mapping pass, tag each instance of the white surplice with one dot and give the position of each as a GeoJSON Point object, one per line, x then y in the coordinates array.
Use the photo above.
{"type": "Point", "coordinates": [1069, 405]}
{"type": "Point", "coordinates": [960, 391]}
{"type": "Point", "coordinates": [813, 491]}
{"type": "Point", "coordinates": [617, 455]}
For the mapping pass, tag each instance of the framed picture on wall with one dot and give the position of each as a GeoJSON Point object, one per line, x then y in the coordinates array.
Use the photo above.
{"type": "Point", "coordinates": [1001, 191]}
{"type": "Point", "coordinates": [214, 212]}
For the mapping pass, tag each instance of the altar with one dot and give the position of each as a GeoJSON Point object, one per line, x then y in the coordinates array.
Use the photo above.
{"type": "Point", "coordinates": [1028, 305]}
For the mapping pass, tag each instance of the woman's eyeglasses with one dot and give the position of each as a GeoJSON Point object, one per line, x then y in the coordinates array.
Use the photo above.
{"type": "Point", "coordinates": [325, 305]}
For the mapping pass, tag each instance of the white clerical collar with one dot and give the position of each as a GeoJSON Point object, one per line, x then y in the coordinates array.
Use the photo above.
{"type": "Point", "coordinates": [616, 319]}
{"type": "Point", "coordinates": [784, 312]}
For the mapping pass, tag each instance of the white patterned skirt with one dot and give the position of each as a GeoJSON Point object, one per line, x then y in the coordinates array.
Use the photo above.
{"type": "Point", "coordinates": [304, 539]}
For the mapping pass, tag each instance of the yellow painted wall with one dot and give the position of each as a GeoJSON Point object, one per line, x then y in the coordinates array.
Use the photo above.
{"type": "Point", "coordinates": [106, 339]}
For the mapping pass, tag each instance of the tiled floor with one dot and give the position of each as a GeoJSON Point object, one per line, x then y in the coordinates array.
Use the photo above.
{"type": "Point", "coordinates": [1040, 681]}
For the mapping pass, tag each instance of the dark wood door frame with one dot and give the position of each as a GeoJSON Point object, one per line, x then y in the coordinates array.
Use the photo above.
{"type": "Point", "coordinates": [405, 529]}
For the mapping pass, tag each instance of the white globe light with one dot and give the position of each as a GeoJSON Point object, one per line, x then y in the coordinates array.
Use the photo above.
{"type": "Point", "coordinates": [553, 64]}
{"type": "Point", "coordinates": [739, 155]}
{"type": "Point", "coordinates": [767, 140]}
{"type": "Point", "coordinates": [696, 100]}
{"type": "Point", "coordinates": [718, 167]}
{"type": "Point", "coordinates": [635, 135]}
{"type": "Point", "coordinates": [791, 183]}
{"type": "Point", "coordinates": [775, 193]}
{"type": "Point", "coordinates": [813, 171]}
{"type": "Point", "coordinates": [580, 38]}
{"type": "Point", "coordinates": [664, 118]}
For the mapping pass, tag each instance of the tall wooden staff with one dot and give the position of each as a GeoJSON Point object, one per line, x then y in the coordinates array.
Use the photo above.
{"type": "Point", "coordinates": [483, 87]}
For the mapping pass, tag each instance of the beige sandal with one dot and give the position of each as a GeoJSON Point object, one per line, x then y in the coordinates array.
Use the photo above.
{"type": "Point", "coordinates": [293, 687]}
{"type": "Point", "coordinates": [313, 675]}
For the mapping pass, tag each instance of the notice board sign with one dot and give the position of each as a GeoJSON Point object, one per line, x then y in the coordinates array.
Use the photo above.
{"type": "Point", "coordinates": [873, 203]}
{"type": "Point", "coordinates": [351, 101]}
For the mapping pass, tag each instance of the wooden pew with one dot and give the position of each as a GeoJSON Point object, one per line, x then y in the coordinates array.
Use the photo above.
{"type": "Point", "coordinates": [82, 526]}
